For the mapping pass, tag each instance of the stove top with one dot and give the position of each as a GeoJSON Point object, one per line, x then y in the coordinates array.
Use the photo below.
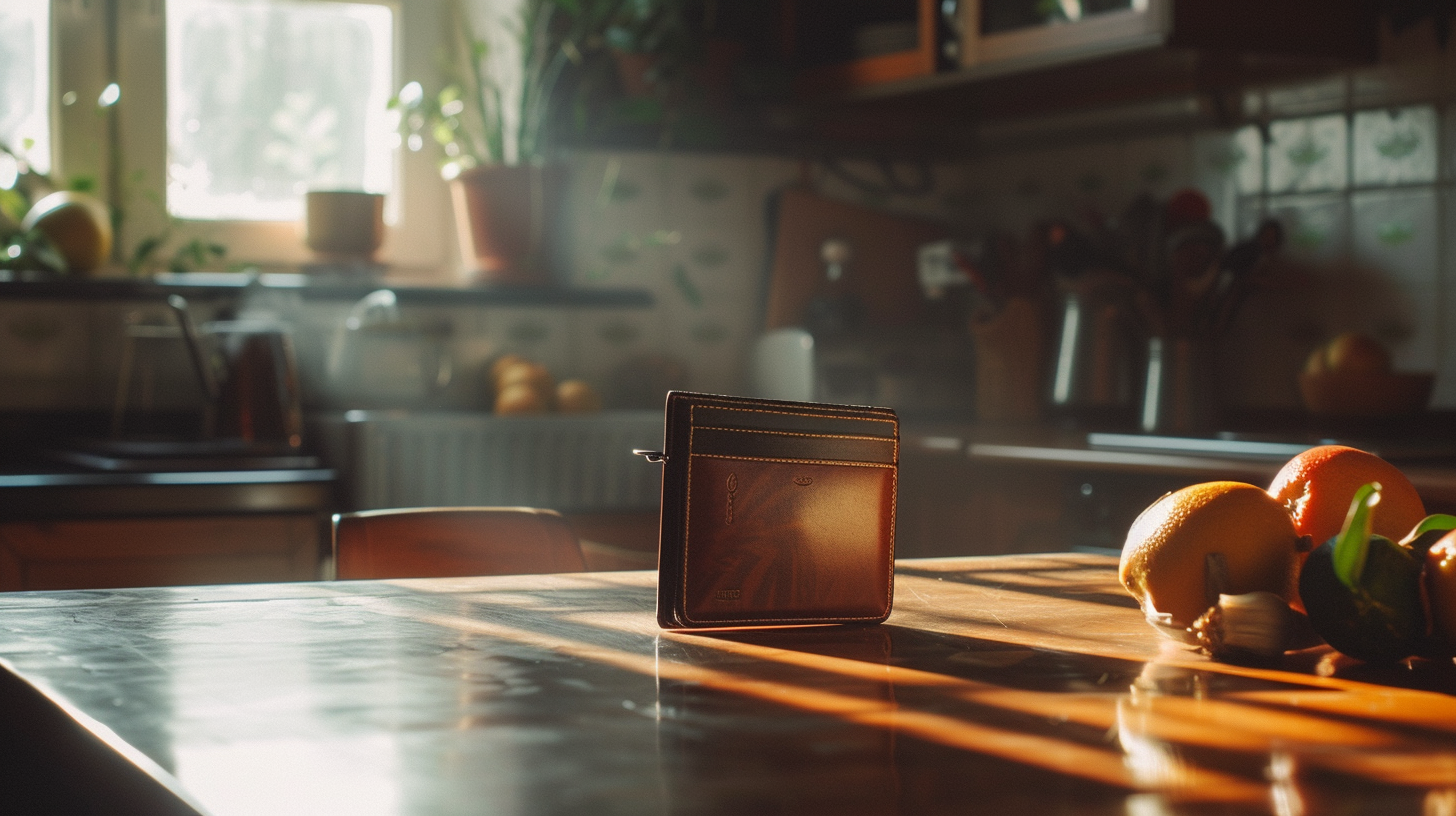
{"type": "Point", "coordinates": [157, 456]}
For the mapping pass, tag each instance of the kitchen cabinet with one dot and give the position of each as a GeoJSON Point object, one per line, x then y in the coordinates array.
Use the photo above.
{"type": "Point", "coordinates": [1021, 59]}
{"type": "Point", "coordinates": [71, 530]}
{"type": "Point", "coordinates": [130, 552]}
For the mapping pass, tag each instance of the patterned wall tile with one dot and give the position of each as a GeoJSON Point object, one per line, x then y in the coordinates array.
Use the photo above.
{"type": "Point", "coordinates": [1395, 237]}
{"type": "Point", "coordinates": [1158, 166]}
{"type": "Point", "coordinates": [619, 214]}
{"type": "Point", "coordinates": [1445, 395]}
{"type": "Point", "coordinates": [715, 343]}
{"type": "Point", "coordinates": [1225, 166]}
{"type": "Point", "coordinates": [1307, 155]}
{"type": "Point", "coordinates": [45, 352]}
{"type": "Point", "coordinates": [1316, 227]}
{"type": "Point", "coordinates": [1086, 183]}
{"type": "Point", "coordinates": [1395, 146]}
{"type": "Point", "coordinates": [618, 350]}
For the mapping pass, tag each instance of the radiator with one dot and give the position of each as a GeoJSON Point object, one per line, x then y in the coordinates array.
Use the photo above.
{"type": "Point", "coordinates": [574, 463]}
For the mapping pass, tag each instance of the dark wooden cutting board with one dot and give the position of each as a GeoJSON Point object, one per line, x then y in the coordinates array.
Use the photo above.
{"type": "Point", "coordinates": [882, 273]}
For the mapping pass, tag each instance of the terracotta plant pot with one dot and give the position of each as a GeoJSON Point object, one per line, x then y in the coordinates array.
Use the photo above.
{"type": "Point", "coordinates": [503, 216]}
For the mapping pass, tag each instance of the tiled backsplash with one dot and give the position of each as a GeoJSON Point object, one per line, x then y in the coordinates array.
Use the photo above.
{"type": "Point", "coordinates": [1363, 193]}
{"type": "Point", "coordinates": [1359, 168]}
{"type": "Point", "coordinates": [687, 228]}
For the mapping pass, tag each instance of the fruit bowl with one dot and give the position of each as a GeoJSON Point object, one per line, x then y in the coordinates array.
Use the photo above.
{"type": "Point", "coordinates": [1365, 394]}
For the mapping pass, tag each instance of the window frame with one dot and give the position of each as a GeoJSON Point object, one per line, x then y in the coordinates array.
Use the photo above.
{"type": "Point", "coordinates": [124, 149]}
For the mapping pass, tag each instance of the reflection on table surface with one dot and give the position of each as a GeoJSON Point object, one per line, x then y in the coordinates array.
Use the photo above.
{"type": "Point", "coordinates": [1007, 684]}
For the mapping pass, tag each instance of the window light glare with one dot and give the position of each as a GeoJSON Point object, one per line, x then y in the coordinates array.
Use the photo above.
{"type": "Point", "coordinates": [9, 171]}
{"type": "Point", "coordinates": [416, 143]}
{"type": "Point", "coordinates": [454, 107]}
{"type": "Point", "coordinates": [110, 95]}
{"type": "Point", "coordinates": [411, 94]}
{"type": "Point", "coordinates": [13, 250]}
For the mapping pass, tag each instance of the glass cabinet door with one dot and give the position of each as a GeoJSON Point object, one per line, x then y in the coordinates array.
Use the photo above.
{"type": "Point", "coordinates": [999, 16]}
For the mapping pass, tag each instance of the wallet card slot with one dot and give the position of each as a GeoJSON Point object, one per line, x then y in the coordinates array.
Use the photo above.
{"type": "Point", "coordinates": [792, 445]}
{"type": "Point", "coordinates": [768, 419]}
{"type": "Point", "coordinates": [804, 542]}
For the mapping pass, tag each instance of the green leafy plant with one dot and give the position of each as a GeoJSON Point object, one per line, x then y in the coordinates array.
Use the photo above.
{"type": "Point", "coordinates": [556, 62]}
{"type": "Point", "coordinates": [24, 250]}
{"type": "Point", "coordinates": [480, 116]}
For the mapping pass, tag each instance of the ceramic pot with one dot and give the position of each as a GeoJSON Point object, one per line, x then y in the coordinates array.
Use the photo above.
{"type": "Point", "coordinates": [503, 217]}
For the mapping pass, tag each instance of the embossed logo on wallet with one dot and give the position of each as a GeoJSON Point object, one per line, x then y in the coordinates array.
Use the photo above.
{"type": "Point", "coordinates": [732, 491]}
{"type": "Point", "coordinates": [803, 481]}
{"type": "Point", "coordinates": [727, 594]}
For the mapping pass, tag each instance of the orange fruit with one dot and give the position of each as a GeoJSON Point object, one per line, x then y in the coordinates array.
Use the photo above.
{"type": "Point", "coordinates": [503, 362]}
{"type": "Point", "coordinates": [1165, 559]}
{"type": "Point", "coordinates": [577, 397]}
{"type": "Point", "coordinates": [533, 374]}
{"type": "Point", "coordinates": [1318, 485]}
{"type": "Point", "coordinates": [1352, 352]}
{"type": "Point", "coordinates": [521, 398]}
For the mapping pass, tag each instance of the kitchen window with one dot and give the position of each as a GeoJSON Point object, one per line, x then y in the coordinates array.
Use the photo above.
{"type": "Point", "coordinates": [228, 111]}
{"type": "Point", "coordinates": [268, 100]}
{"type": "Point", "coordinates": [24, 80]}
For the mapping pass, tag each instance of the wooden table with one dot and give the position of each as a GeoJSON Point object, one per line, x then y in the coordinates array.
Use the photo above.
{"type": "Point", "coordinates": [1024, 684]}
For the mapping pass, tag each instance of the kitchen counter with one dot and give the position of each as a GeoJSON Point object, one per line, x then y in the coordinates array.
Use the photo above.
{"type": "Point", "coordinates": [40, 492]}
{"type": "Point", "coordinates": [1026, 684]}
{"type": "Point", "coordinates": [1431, 466]}
{"type": "Point", "coordinates": [972, 490]}
{"type": "Point", "coordinates": [322, 285]}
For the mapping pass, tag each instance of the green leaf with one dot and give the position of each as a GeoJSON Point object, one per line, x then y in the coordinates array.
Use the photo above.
{"type": "Point", "coordinates": [686, 287]}
{"type": "Point", "coordinates": [1353, 543]}
{"type": "Point", "coordinates": [443, 133]}
{"type": "Point", "coordinates": [13, 205]}
{"type": "Point", "coordinates": [1437, 521]}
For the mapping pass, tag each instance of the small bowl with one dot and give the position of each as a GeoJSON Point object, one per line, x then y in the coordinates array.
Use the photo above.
{"type": "Point", "coordinates": [1345, 394]}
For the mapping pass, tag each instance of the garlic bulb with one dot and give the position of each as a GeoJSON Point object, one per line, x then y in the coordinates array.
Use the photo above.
{"type": "Point", "coordinates": [1256, 625]}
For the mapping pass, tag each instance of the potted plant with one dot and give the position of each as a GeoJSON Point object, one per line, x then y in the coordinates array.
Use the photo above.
{"type": "Point", "coordinates": [493, 121]}
{"type": "Point", "coordinates": [589, 68]}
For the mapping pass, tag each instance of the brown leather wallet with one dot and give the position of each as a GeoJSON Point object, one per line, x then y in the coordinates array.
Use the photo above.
{"type": "Point", "coordinates": [775, 513]}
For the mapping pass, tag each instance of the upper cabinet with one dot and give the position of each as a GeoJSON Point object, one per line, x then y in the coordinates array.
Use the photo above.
{"type": "Point", "coordinates": [842, 45]}
{"type": "Point", "coordinates": [916, 65]}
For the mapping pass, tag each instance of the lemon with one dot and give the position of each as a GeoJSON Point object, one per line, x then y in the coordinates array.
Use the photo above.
{"type": "Point", "coordinates": [78, 225]}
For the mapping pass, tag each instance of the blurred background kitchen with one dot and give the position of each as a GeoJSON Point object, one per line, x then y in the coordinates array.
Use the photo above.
{"type": "Point", "coordinates": [268, 259]}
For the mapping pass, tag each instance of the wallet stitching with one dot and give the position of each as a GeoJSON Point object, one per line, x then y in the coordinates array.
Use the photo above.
{"type": "Point", "coordinates": [687, 512]}
{"type": "Point", "coordinates": [895, 440]}
{"type": "Point", "coordinates": [844, 462]}
{"type": "Point", "coordinates": [796, 433]}
{"type": "Point", "coordinates": [798, 413]}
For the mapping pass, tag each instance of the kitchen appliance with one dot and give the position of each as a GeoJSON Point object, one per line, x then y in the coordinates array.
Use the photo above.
{"type": "Point", "coordinates": [1099, 347]}
{"type": "Point", "coordinates": [249, 373]}
{"type": "Point", "coordinates": [380, 359]}
{"type": "Point", "coordinates": [920, 374]}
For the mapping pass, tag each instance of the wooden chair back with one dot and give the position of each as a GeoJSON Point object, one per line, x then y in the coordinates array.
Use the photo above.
{"type": "Point", "coordinates": [441, 542]}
